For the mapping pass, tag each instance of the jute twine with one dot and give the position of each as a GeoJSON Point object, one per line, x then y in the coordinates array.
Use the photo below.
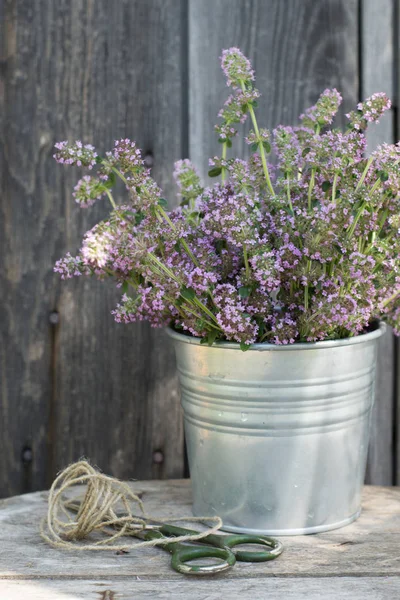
{"type": "Point", "coordinates": [97, 513]}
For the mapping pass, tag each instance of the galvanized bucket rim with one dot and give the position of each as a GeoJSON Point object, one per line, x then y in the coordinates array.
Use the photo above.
{"type": "Point", "coordinates": [358, 339]}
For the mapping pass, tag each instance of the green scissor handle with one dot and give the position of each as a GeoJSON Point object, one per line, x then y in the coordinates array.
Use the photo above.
{"type": "Point", "coordinates": [231, 541]}
{"type": "Point", "coordinates": [225, 542]}
{"type": "Point", "coordinates": [181, 554]}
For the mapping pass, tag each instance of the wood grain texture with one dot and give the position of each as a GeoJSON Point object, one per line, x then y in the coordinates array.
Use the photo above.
{"type": "Point", "coordinates": [82, 70]}
{"type": "Point", "coordinates": [326, 588]}
{"type": "Point", "coordinates": [377, 74]}
{"type": "Point", "coordinates": [28, 236]}
{"type": "Point", "coordinates": [381, 448]}
{"type": "Point", "coordinates": [377, 62]}
{"type": "Point", "coordinates": [360, 561]}
{"type": "Point", "coordinates": [297, 49]}
{"type": "Point", "coordinates": [116, 391]}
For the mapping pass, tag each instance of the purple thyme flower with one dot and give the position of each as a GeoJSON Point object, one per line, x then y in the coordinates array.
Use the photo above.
{"type": "Point", "coordinates": [231, 316]}
{"type": "Point", "coordinates": [75, 154]}
{"type": "Point", "coordinates": [323, 111]}
{"type": "Point", "coordinates": [237, 67]}
{"type": "Point", "coordinates": [187, 180]}
{"type": "Point", "coordinates": [87, 191]}
{"type": "Point", "coordinates": [369, 111]}
{"type": "Point", "coordinates": [263, 136]}
{"type": "Point", "coordinates": [71, 266]}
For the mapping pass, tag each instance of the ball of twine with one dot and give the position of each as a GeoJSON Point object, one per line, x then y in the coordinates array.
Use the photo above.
{"type": "Point", "coordinates": [68, 522]}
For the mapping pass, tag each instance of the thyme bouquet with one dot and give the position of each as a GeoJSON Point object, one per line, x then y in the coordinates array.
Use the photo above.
{"type": "Point", "coordinates": [303, 246]}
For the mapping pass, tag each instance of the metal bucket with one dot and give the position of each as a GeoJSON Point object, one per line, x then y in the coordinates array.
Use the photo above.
{"type": "Point", "coordinates": [277, 436]}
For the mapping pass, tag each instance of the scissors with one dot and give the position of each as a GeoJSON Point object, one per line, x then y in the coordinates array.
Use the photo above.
{"type": "Point", "coordinates": [217, 546]}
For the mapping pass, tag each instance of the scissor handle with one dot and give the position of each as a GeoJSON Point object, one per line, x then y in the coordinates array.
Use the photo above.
{"type": "Point", "coordinates": [183, 554]}
{"type": "Point", "coordinates": [230, 541]}
{"type": "Point", "coordinates": [259, 556]}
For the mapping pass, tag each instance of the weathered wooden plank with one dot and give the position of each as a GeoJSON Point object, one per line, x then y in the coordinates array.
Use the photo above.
{"type": "Point", "coordinates": [82, 71]}
{"type": "Point", "coordinates": [377, 62]}
{"type": "Point", "coordinates": [28, 236]}
{"type": "Point", "coordinates": [328, 588]}
{"type": "Point", "coordinates": [377, 56]}
{"type": "Point", "coordinates": [297, 49]}
{"type": "Point", "coordinates": [116, 392]}
{"type": "Point", "coordinates": [367, 548]}
{"type": "Point", "coordinates": [381, 449]}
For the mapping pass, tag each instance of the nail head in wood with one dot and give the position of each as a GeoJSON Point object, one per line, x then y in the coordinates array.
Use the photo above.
{"type": "Point", "coordinates": [158, 457]}
{"type": "Point", "coordinates": [27, 455]}
{"type": "Point", "coordinates": [54, 317]}
{"type": "Point", "coordinates": [148, 160]}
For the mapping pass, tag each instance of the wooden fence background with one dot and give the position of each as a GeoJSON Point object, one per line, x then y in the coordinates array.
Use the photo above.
{"type": "Point", "coordinates": [72, 382]}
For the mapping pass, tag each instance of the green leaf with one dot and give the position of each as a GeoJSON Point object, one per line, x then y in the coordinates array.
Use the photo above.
{"type": "Point", "coordinates": [305, 151]}
{"type": "Point", "coordinates": [254, 103]}
{"type": "Point", "coordinates": [139, 218]}
{"type": "Point", "coordinates": [228, 144]}
{"type": "Point", "coordinates": [125, 287]}
{"type": "Point", "coordinates": [267, 146]}
{"type": "Point", "coordinates": [246, 315]}
{"type": "Point", "coordinates": [138, 189]}
{"type": "Point", "coordinates": [188, 293]}
{"type": "Point", "coordinates": [244, 347]}
{"type": "Point", "coordinates": [244, 291]}
{"type": "Point", "coordinates": [254, 147]}
{"type": "Point", "coordinates": [212, 336]}
{"type": "Point", "coordinates": [287, 209]}
{"type": "Point", "coordinates": [163, 202]}
{"type": "Point", "coordinates": [110, 181]}
{"type": "Point", "coordinates": [219, 246]}
{"type": "Point", "coordinates": [383, 175]}
{"type": "Point", "coordinates": [215, 171]}
{"type": "Point", "coordinates": [326, 186]}
{"type": "Point", "coordinates": [99, 160]}
{"type": "Point", "coordinates": [261, 326]}
{"type": "Point", "coordinates": [204, 340]}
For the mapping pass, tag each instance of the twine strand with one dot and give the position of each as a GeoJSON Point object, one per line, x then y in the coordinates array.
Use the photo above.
{"type": "Point", "coordinates": [66, 523]}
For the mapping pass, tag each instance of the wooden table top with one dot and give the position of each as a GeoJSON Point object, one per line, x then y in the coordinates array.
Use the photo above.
{"type": "Point", "coordinates": [358, 562]}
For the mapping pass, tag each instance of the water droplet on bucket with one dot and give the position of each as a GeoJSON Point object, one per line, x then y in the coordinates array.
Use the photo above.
{"type": "Point", "coordinates": [201, 442]}
{"type": "Point", "coordinates": [220, 414]}
{"type": "Point", "coordinates": [244, 417]}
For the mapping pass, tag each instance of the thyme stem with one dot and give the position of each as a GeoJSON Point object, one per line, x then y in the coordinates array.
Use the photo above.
{"type": "Point", "coordinates": [260, 145]}
{"type": "Point", "coordinates": [111, 199]}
